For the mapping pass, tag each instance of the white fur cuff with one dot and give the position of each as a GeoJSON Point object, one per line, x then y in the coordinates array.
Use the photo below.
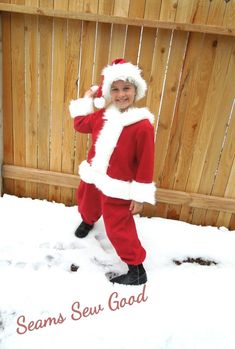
{"type": "Point", "coordinates": [81, 106]}
{"type": "Point", "coordinates": [116, 188]}
{"type": "Point", "coordinates": [143, 192]}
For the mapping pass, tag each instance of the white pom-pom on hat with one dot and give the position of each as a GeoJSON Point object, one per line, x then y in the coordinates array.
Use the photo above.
{"type": "Point", "coordinates": [99, 102]}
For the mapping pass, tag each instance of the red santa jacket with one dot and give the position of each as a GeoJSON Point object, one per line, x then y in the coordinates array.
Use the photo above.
{"type": "Point", "coordinates": [120, 160]}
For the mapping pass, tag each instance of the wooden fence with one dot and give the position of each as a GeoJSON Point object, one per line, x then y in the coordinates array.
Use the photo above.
{"type": "Point", "coordinates": [187, 52]}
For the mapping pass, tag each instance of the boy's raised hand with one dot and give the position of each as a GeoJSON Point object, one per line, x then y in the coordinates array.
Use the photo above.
{"type": "Point", "coordinates": [91, 92]}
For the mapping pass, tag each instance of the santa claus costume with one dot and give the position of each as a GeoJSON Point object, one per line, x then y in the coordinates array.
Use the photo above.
{"type": "Point", "coordinates": [119, 166]}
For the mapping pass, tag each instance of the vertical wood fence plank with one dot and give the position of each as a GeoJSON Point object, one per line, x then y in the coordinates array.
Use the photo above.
{"type": "Point", "coordinates": [121, 8]}
{"type": "Point", "coordinates": [90, 6]}
{"type": "Point", "coordinates": [76, 5]}
{"type": "Point", "coordinates": [198, 67]}
{"type": "Point", "coordinates": [136, 9]}
{"type": "Point", "coordinates": [167, 111]}
{"type": "Point", "coordinates": [106, 7]}
{"type": "Point", "coordinates": [201, 13]}
{"type": "Point", "coordinates": [208, 120]}
{"type": "Point", "coordinates": [45, 76]}
{"type": "Point", "coordinates": [46, 4]}
{"type": "Point", "coordinates": [70, 91]}
{"type": "Point", "coordinates": [175, 63]}
{"type": "Point", "coordinates": [180, 118]}
{"type": "Point", "coordinates": [225, 218]}
{"type": "Point", "coordinates": [57, 102]}
{"type": "Point", "coordinates": [217, 121]}
{"type": "Point", "coordinates": [85, 81]}
{"type": "Point", "coordinates": [216, 12]}
{"type": "Point", "coordinates": [102, 50]}
{"type": "Point", "coordinates": [156, 82]}
{"type": "Point", "coordinates": [229, 15]}
{"type": "Point", "coordinates": [8, 142]}
{"type": "Point", "coordinates": [61, 5]}
{"type": "Point", "coordinates": [200, 71]}
{"type": "Point", "coordinates": [221, 116]}
{"type": "Point", "coordinates": [45, 70]}
{"type": "Point", "coordinates": [222, 185]}
{"type": "Point", "coordinates": [232, 223]}
{"type": "Point", "coordinates": [152, 9]}
{"type": "Point", "coordinates": [57, 95]}
{"type": "Point", "coordinates": [18, 92]}
{"type": "Point", "coordinates": [158, 69]}
{"type": "Point", "coordinates": [146, 56]}
{"type": "Point", "coordinates": [133, 33]}
{"type": "Point", "coordinates": [186, 11]}
{"type": "Point", "coordinates": [117, 45]}
{"type": "Point", "coordinates": [31, 97]}
{"type": "Point", "coordinates": [101, 53]}
{"type": "Point", "coordinates": [168, 10]}
{"type": "Point", "coordinates": [132, 44]}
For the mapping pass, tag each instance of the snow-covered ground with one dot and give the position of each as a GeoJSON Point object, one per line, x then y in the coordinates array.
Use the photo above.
{"type": "Point", "coordinates": [44, 305]}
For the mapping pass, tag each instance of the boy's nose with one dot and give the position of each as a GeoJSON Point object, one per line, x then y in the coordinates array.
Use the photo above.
{"type": "Point", "coordinates": [121, 93]}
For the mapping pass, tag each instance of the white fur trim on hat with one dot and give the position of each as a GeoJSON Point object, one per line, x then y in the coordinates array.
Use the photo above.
{"type": "Point", "coordinates": [125, 72]}
{"type": "Point", "coordinates": [81, 106]}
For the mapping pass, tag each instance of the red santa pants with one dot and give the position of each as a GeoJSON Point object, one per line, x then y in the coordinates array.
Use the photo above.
{"type": "Point", "coordinates": [118, 220]}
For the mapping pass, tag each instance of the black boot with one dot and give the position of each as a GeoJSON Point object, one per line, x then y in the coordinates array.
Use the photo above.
{"type": "Point", "coordinates": [135, 276]}
{"type": "Point", "coordinates": [83, 230]}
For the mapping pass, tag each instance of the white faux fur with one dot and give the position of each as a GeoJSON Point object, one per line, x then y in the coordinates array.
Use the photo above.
{"type": "Point", "coordinates": [129, 117]}
{"type": "Point", "coordinates": [96, 173]}
{"type": "Point", "coordinates": [116, 188]}
{"type": "Point", "coordinates": [109, 135]}
{"type": "Point", "coordinates": [126, 72]}
{"type": "Point", "coordinates": [143, 192]}
{"type": "Point", "coordinates": [81, 106]}
{"type": "Point", "coordinates": [99, 102]}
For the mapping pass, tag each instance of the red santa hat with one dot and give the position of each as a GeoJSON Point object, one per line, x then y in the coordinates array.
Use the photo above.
{"type": "Point", "coordinates": [119, 70]}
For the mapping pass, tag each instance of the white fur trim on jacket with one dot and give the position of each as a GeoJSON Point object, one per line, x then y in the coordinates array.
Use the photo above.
{"type": "Point", "coordinates": [96, 172]}
{"type": "Point", "coordinates": [143, 192]}
{"type": "Point", "coordinates": [110, 133]}
{"type": "Point", "coordinates": [126, 72]}
{"type": "Point", "coordinates": [116, 188]}
{"type": "Point", "coordinates": [81, 106]}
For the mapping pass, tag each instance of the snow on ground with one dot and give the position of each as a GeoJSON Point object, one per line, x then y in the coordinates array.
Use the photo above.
{"type": "Point", "coordinates": [44, 305]}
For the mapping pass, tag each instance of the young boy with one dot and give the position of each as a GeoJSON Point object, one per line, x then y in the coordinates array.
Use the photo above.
{"type": "Point", "coordinates": [116, 178]}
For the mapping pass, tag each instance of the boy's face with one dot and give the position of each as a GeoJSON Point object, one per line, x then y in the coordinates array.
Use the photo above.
{"type": "Point", "coordinates": [122, 94]}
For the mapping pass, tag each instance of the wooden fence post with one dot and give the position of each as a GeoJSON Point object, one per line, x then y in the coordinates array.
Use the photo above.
{"type": "Point", "coordinates": [1, 111]}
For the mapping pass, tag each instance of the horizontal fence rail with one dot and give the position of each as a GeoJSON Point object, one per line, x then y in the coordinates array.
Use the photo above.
{"type": "Point", "coordinates": [102, 18]}
{"type": "Point", "coordinates": [163, 195]}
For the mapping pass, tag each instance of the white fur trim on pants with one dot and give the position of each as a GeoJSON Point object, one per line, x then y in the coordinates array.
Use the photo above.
{"type": "Point", "coordinates": [116, 188]}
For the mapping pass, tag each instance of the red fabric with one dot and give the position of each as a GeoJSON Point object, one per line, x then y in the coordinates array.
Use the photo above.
{"type": "Point", "coordinates": [118, 61]}
{"type": "Point", "coordinates": [119, 222]}
{"type": "Point", "coordinates": [89, 202]}
{"type": "Point", "coordinates": [132, 158]}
